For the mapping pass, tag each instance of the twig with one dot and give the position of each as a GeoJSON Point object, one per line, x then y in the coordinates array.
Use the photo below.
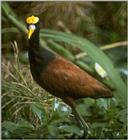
{"type": "Point", "coordinates": [105, 47]}
{"type": "Point", "coordinates": [114, 45]}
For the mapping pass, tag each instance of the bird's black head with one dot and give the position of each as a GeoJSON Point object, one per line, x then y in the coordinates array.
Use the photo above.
{"type": "Point", "coordinates": [32, 25]}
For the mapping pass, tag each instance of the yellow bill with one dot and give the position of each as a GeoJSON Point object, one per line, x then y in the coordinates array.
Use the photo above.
{"type": "Point", "coordinates": [30, 32]}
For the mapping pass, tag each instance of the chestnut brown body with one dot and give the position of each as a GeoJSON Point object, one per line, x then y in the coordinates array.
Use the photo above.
{"type": "Point", "coordinates": [64, 79]}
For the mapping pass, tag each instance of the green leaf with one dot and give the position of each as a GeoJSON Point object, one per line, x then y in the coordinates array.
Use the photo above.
{"type": "Point", "coordinates": [123, 116]}
{"type": "Point", "coordinates": [9, 126]}
{"type": "Point", "coordinates": [61, 50]}
{"type": "Point", "coordinates": [71, 129]}
{"type": "Point", "coordinates": [13, 17]}
{"type": "Point", "coordinates": [96, 125]}
{"type": "Point", "coordinates": [13, 130]}
{"type": "Point", "coordinates": [39, 111]}
{"type": "Point", "coordinates": [102, 103]}
{"type": "Point", "coordinates": [83, 110]}
{"type": "Point", "coordinates": [53, 130]}
{"type": "Point", "coordinates": [24, 124]}
{"type": "Point", "coordinates": [10, 30]}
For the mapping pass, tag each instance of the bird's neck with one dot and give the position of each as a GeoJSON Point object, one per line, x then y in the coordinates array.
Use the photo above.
{"type": "Point", "coordinates": [36, 51]}
{"type": "Point", "coordinates": [34, 42]}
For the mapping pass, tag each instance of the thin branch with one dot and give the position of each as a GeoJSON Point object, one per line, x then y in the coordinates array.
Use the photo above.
{"type": "Point", "coordinates": [105, 47]}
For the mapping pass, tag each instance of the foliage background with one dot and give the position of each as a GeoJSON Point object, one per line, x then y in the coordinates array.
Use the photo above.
{"type": "Point", "coordinates": [30, 112]}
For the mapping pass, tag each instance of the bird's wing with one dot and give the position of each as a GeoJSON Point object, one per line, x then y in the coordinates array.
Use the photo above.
{"type": "Point", "coordinates": [63, 78]}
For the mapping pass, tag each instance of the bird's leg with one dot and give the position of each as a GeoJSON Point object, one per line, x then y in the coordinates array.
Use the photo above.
{"type": "Point", "coordinates": [70, 101]}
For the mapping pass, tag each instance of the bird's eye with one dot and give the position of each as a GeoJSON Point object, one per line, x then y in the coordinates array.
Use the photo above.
{"type": "Point", "coordinates": [32, 27]}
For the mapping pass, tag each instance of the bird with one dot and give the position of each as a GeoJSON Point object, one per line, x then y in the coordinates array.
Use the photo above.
{"type": "Point", "coordinates": [59, 76]}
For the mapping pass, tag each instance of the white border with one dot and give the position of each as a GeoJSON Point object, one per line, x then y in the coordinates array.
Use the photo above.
{"type": "Point", "coordinates": [54, 1]}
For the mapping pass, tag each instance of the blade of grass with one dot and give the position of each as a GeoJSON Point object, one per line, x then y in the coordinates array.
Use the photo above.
{"type": "Point", "coordinates": [10, 30]}
{"type": "Point", "coordinates": [13, 17]}
{"type": "Point", "coordinates": [60, 49]}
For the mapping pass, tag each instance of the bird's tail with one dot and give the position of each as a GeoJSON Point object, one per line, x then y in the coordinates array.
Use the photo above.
{"type": "Point", "coordinates": [102, 92]}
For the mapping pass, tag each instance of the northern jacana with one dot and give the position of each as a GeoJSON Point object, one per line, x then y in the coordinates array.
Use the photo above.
{"type": "Point", "coordinates": [59, 76]}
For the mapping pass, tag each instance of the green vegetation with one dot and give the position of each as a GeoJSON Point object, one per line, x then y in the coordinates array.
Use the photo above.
{"type": "Point", "coordinates": [28, 111]}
